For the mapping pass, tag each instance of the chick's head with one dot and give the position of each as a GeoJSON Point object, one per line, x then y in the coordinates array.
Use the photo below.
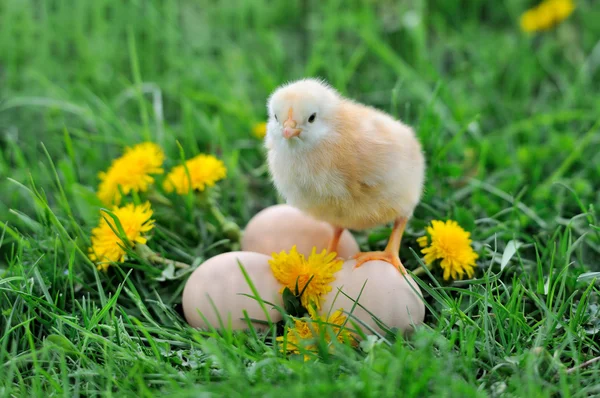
{"type": "Point", "coordinates": [302, 113]}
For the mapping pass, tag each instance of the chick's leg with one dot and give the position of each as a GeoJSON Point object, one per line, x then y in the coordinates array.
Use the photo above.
{"type": "Point", "coordinates": [335, 240]}
{"type": "Point", "coordinates": [390, 254]}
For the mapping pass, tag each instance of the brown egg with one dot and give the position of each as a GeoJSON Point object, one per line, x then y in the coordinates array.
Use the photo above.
{"type": "Point", "coordinates": [280, 227]}
{"type": "Point", "coordinates": [220, 279]}
{"type": "Point", "coordinates": [387, 294]}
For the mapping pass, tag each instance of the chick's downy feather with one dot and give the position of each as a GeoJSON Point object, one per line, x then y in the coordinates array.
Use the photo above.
{"type": "Point", "coordinates": [354, 167]}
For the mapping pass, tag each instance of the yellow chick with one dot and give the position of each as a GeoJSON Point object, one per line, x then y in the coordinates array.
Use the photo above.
{"type": "Point", "coordinates": [348, 164]}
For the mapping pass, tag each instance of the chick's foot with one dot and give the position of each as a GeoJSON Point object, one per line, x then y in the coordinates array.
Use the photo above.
{"type": "Point", "coordinates": [386, 256]}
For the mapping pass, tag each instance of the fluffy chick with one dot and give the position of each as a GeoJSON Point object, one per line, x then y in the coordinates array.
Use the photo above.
{"type": "Point", "coordinates": [342, 162]}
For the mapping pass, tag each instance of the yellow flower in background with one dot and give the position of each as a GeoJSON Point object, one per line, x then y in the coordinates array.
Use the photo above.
{"type": "Point", "coordinates": [260, 130]}
{"type": "Point", "coordinates": [107, 246]}
{"type": "Point", "coordinates": [293, 268]}
{"type": "Point", "coordinates": [451, 244]}
{"type": "Point", "coordinates": [546, 14]}
{"type": "Point", "coordinates": [305, 332]}
{"type": "Point", "coordinates": [204, 171]}
{"type": "Point", "coordinates": [132, 172]}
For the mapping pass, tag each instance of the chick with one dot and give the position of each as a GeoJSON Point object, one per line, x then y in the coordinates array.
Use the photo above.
{"type": "Point", "coordinates": [348, 164]}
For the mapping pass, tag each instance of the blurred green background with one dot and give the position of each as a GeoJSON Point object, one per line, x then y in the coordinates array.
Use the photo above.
{"type": "Point", "coordinates": [512, 110]}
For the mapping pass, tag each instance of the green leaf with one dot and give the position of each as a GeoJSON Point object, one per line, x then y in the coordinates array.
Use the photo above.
{"type": "Point", "coordinates": [509, 252]}
{"type": "Point", "coordinates": [588, 276]}
{"type": "Point", "coordinates": [167, 274]}
{"type": "Point", "coordinates": [58, 340]}
{"type": "Point", "coordinates": [291, 303]}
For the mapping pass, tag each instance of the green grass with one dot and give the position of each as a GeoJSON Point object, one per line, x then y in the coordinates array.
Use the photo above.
{"type": "Point", "coordinates": [510, 127]}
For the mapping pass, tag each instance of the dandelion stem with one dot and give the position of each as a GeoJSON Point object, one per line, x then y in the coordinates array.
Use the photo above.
{"type": "Point", "coordinates": [230, 228]}
{"type": "Point", "coordinates": [421, 270]}
{"type": "Point", "coordinates": [149, 255]}
{"type": "Point", "coordinates": [216, 212]}
{"type": "Point", "coordinates": [157, 197]}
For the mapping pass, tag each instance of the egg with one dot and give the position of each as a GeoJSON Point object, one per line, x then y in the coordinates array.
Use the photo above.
{"type": "Point", "coordinates": [220, 279]}
{"type": "Point", "coordinates": [280, 227]}
{"type": "Point", "coordinates": [387, 294]}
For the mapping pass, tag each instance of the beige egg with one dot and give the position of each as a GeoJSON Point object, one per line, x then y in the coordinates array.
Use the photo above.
{"type": "Point", "coordinates": [387, 294]}
{"type": "Point", "coordinates": [280, 227]}
{"type": "Point", "coordinates": [220, 279]}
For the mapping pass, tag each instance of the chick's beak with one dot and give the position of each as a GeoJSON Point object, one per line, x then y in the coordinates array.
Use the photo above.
{"type": "Point", "coordinates": [289, 127]}
{"type": "Point", "coordinates": [289, 130]}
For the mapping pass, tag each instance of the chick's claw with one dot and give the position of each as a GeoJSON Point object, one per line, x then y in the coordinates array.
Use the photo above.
{"type": "Point", "coordinates": [386, 256]}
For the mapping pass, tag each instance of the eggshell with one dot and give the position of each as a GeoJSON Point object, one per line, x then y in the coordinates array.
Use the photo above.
{"type": "Point", "coordinates": [221, 280]}
{"type": "Point", "coordinates": [280, 227]}
{"type": "Point", "coordinates": [387, 294]}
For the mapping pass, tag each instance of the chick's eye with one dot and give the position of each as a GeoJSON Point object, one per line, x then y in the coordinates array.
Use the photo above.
{"type": "Point", "coordinates": [312, 118]}
{"type": "Point", "coordinates": [276, 118]}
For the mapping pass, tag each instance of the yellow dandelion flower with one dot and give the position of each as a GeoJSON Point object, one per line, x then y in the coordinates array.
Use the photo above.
{"type": "Point", "coordinates": [423, 241]}
{"type": "Point", "coordinates": [546, 15]}
{"type": "Point", "coordinates": [132, 172]}
{"type": "Point", "coordinates": [299, 333]}
{"type": "Point", "coordinates": [260, 130]}
{"type": "Point", "coordinates": [204, 171]}
{"type": "Point", "coordinates": [293, 268]}
{"type": "Point", "coordinates": [451, 244]}
{"type": "Point", "coordinates": [305, 332]}
{"type": "Point", "coordinates": [343, 335]}
{"type": "Point", "coordinates": [107, 246]}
